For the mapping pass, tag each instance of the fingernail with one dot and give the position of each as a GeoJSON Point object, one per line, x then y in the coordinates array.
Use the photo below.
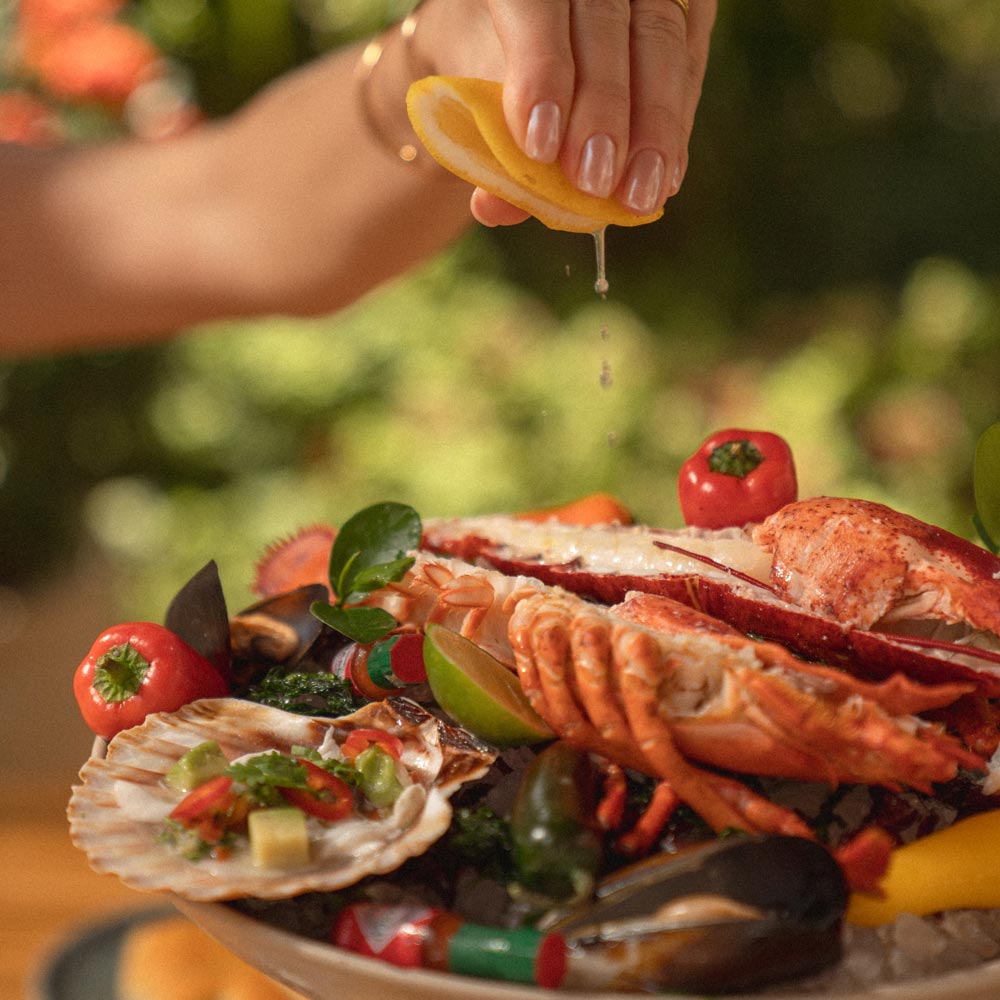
{"type": "Point", "coordinates": [675, 181]}
{"type": "Point", "coordinates": [644, 181]}
{"type": "Point", "coordinates": [597, 166]}
{"type": "Point", "coordinates": [542, 139]}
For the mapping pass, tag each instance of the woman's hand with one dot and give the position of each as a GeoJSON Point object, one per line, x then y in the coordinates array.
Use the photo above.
{"type": "Point", "coordinates": [608, 88]}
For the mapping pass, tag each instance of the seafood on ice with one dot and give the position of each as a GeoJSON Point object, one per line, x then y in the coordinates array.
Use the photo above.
{"type": "Point", "coordinates": [651, 685]}
{"type": "Point", "coordinates": [118, 812]}
{"type": "Point", "coordinates": [836, 642]}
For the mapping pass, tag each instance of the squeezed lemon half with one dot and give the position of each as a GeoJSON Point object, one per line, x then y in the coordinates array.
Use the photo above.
{"type": "Point", "coordinates": [461, 122]}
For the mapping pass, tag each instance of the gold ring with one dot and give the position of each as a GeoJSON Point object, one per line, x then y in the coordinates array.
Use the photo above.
{"type": "Point", "coordinates": [683, 4]}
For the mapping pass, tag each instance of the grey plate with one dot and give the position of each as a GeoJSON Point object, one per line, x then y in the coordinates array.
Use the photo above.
{"type": "Point", "coordinates": [85, 967]}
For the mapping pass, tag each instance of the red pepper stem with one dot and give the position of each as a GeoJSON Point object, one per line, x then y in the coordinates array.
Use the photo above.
{"type": "Point", "coordinates": [119, 672]}
{"type": "Point", "coordinates": [735, 458]}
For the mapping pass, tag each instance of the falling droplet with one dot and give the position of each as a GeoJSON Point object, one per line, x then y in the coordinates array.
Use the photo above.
{"type": "Point", "coordinates": [607, 379]}
{"type": "Point", "coordinates": [605, 334]}
{"type": "Point", "coordinates": [612, 439]}
{"type": "Point", "coordinates": [601, 284]}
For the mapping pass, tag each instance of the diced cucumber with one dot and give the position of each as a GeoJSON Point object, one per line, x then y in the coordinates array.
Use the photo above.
{"type": "Point", "coordinates": [379, 782]}
{"type": "Point", "coordinates": [200, 764]}
{"type": "Point", "coordinates": [278, 838]}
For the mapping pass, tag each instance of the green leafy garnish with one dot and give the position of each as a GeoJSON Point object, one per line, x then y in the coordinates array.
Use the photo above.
{"type": "Point", "coordinates": [986, 484]}
{"type": "Point", "coordinates": [188, 843]}
{"type": "Point", "coordinates": [306, 694]}
{"type": "Point", "coordinates": [369, 552]}
{"type": "Point", "coordinates": [263, 774]}
{"type": "Point", "coordinates": [482, 838]}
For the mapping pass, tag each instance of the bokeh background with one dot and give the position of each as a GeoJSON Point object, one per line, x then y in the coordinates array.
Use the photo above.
{"type": "Point", "coordinates": [829, 271]}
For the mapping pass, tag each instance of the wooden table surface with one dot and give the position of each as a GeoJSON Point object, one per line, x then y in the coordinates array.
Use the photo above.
{"type": "Point", "coordinates": [48, 893]}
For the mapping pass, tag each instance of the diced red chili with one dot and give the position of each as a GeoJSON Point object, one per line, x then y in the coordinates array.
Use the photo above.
{"type": "Point", "coordinates": [327, 797]}
{"type": "Point", "coordinates": [361, 739]}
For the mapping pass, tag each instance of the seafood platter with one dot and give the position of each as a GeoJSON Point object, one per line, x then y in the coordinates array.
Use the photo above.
{"type": "Point", "coordinates": [560, 751]}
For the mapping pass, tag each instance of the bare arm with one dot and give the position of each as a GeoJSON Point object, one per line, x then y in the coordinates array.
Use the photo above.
{"type": "Point", "coordinates": [293, 205]}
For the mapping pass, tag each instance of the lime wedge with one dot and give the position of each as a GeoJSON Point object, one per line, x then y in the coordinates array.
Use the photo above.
{"type": "Point", "coordinates": [479, 692]}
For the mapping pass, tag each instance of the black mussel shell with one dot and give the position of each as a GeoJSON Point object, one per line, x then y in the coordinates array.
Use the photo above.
{"type": "Point", "coordinates": [758, 910]}
{"type": "Point", "coordinates": [198, 615]}
{"type": "Point", "coordinates": [276, 632]}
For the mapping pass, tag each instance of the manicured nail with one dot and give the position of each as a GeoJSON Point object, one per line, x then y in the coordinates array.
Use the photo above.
{"type": "Point", "coordinates": [675, 181]}
{"type": "Point", "coordinates": [543, 136]}
{"type": "Point", "coordinates": [597, 166]}
{"type": "Point", "coordinates": [644, 181]}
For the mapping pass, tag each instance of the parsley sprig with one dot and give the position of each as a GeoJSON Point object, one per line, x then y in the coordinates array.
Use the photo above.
{"type": "Point", "coordinates": [263, 774]}
{"type": "Point", "coordinates": [369, 552]}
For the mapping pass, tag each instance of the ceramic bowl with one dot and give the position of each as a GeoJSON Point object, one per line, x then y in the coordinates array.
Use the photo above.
{"type": "Point", "coordinates": [322, 972]}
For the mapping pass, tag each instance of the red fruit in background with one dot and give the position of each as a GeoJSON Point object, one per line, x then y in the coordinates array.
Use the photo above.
{"type": "Point", "coordinates": [101, 61]}
{"type": "Point", "coordinates": [39, 19]}
{"type": "Point", "coordinates": [26, 120]}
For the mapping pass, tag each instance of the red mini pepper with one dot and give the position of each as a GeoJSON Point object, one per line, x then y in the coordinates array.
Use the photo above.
{"type": "Point", "coordinates": [736, 477]}
{"type": "Point", "coordinates": [138, 668]}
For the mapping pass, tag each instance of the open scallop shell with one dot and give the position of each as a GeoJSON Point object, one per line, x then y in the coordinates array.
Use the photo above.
{"type": "Point", "coordinates": [117, 813]}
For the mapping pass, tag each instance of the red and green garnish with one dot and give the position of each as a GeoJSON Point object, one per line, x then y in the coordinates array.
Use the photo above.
{"type": "Point", "coordinates": [324, 796]}
{"type": "Point", "coordinates": [215, 810]}
{"type": "Point", "coordinates": [370, 551]}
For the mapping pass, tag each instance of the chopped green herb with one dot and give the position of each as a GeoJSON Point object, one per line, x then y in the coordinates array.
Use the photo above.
{"type": "Point", "coordinates": [264, 774]}
{"type": "Point", "coordinates": [188, 843]}
{"type": "Point", "coordinates": [481, 838]}
{"type": "Point", "coordinates": [307, 694]}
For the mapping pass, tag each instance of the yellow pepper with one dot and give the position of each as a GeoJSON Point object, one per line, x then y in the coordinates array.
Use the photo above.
{"type": "Point", "coordinates": [952, 869]}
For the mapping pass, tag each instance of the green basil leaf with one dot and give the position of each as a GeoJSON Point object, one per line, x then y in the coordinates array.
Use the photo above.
{"type": "Point", "coordinates": [364, 625]}
{"type": "Point", "coordinates": [380, 534]}
{"type": "Point", "coordinates": [986, 484]}
{"type": "Point", "coordinates": [374, 577]}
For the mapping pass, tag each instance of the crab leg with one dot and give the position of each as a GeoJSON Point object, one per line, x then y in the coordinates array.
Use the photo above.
{"type": "Point", "coordinates": [822, 718]}
{"type": "Point", "coordinates": [649, 825]}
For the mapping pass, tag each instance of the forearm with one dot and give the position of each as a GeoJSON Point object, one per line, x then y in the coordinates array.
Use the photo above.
{"type": "Point", "coordinates": [291, 206]}
{"type": "Point", "coordinates": [336, 213]}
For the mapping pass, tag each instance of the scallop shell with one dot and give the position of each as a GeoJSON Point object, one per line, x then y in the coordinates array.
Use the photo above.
{"type": "Point", "coordinates": [117, 812]}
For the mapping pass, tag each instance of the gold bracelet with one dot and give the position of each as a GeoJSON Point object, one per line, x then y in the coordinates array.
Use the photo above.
{"type": "Point", "coordinates": [408, 150]}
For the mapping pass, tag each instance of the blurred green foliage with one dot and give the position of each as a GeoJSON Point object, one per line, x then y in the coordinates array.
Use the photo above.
{"type": "Point", "coordinates": [829, 271]}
